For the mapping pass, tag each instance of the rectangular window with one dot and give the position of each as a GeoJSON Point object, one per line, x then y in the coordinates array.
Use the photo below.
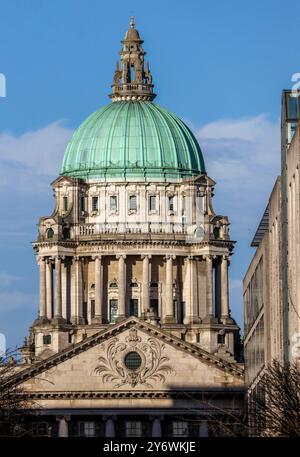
{"type": "Point", "coordinates": [113, 310]}
{"type": "Point", "coordinates": [175, 309]}
{"type": "Point", "coordinates": [47, 339]}
{"type": "Point", "coordinates": [134, 307]}
{"type": "Point", "coordinates": [113, 203]}
{"type": "Point", "coordinates": [133, 429]}
{"type": "Point", "coordinates": [181, 312]}
{"type": "Point", "coordinates": [82, 204]}
{"type": "Point", "coordinates": [65, 203]}
{"type": "Point", "coordinates": [183, 203]}
{"type": "Point", "coordinates": [84, 311]}
{"type": "Point", "coordinates": [154, 305]}
{"type": "Point", "coordinates": [180, 428]}
{"type": "Point", "coordinates": [171, 203]}
{"type": "Point", "coordinates": [92, 309]}
{"type": "Point", "coordinates": [221, 339]}
{"type": "Point", "coordinates": [94, 203]}
{"type": "Point", "coordinates": [87, 429]}
{"type": "Point", "coordinates": [152, 202]}
{"type": "Point", "coordinates": [132, 203]}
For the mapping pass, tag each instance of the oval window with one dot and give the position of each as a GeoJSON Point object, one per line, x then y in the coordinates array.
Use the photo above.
{"type": "Point", "coordinates": [133, 360]}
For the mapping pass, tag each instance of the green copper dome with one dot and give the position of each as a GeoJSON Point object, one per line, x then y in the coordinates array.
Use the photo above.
{"type": "Point", "coordinates": [132, 140]}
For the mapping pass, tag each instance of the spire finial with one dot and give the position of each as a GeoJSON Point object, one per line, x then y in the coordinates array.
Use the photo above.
{"type": "Point", "coordinates": [132, 81]}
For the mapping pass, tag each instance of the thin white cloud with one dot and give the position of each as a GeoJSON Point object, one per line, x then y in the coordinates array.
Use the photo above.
{"type": "Point", "coordinates": [243, 157]}
{"type": "Point", "coordinates": [7, 279]}
{"type": "Point", "coordinates": [236, 284]}
{"type": "Point", "coordinates": [38, 152]}
{"type": "Point", "coordinates": [242, 150]}
{"type": "Point", "coordinates": [12, 301]}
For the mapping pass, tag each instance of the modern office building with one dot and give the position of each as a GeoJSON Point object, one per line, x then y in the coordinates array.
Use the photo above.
{"type": "Point", "coordinates": [271, 284]}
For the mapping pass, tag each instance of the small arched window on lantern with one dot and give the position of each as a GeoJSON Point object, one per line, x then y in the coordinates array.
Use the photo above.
{"type": "Point", "coordinates": [50, 233]}
{"type": "Point", "coordinates": [216, 232]}
{"type": "Point", "coordinates": [66, 233]}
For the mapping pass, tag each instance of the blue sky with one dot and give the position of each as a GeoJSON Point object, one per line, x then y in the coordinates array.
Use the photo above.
{"type": "Point", "coordinates": [219, 65]}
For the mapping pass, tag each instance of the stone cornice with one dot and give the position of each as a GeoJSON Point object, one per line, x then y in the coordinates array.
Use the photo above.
{"type": "Point", "coordinates": [162, 394]}
{"type": "Point", "coordinates": [102, 336]}
{"type": "Point", "coordinates": [134, 242]}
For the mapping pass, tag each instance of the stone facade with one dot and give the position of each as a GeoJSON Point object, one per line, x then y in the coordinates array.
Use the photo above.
{"type": "Point", "coordinates": [134, 325]}
{"type": "Point", "coordinates": [262, 295]}
{"type": "Point", "coordinates": [293, 170]}
{"type": "Point", "coordinates": [91, 383]}
{"type": "Point", "coordinates": [271, 284]}
{"type": "Point", "coordinates": [150, 265]}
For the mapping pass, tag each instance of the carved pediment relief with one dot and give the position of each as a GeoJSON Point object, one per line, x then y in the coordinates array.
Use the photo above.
{"type": "Point", "coordinates": [134, 361]}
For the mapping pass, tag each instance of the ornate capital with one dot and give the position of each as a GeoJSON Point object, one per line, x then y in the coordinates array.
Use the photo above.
{"type": "Point", "coordinates": [98, 256]}
{"type": "Point", "coordinates": [121, 256]}
{"type": "Point", "coordinates": [170, 256]}
{"type": "Point", "coordinates": [144, 256]}
{"type": "Point", "coordinates": [41, 259]}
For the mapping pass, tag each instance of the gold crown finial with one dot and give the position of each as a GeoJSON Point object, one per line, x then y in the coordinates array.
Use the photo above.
{"type": "Point", "coordinates": [132, 23]}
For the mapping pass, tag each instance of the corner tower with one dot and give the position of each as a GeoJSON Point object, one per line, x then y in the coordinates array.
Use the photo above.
{"type": "Point", "coordinates": [133, 232]}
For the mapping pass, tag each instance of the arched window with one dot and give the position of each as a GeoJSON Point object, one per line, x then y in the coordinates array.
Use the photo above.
{"type": "Point", "coordinates": [50, 233]}
{"type": "Point", "coordinates": [113, 285]}
{"type": "Point", "coordinates": [113, 310]}
{"type": "Point", "coordinates": [66, 233]}
{"type": "Point", "coordinates": [216, 232]}
{"type": "Point", "coordinates": [221, 337]}
{"type": "Point", "coordinates": [133, 284]}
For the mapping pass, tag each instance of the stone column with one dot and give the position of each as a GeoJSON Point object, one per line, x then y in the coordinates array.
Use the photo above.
{"type": "Point", "coordinates": [218, 289]}
{"type": "Point", "coordinates": [109, 428]}
{"type": "Point", "coordinates": [58, 305]}
{"type": "Point", "coordinates": [224, 289]}
{"type": "Point", "coordinates": [169, 311]}
{"type": "Point", "coordinates": [194, 317]}
{"type": "Point", "coordinates": [98, 318]}
{"type": "Point", "coordinates": [77, 317]}
{"type": "Point", "coordinates": [49, 288]}
{"type": "Point", "coordinates": [203, 428]}
{"type": "Point", "coordinates": [63, 429]}
{"type": "Point", "coordinates": [156, 428]}
{"type": "Point", "coordinates": [121, 287]}
{"type": "Point", "coordinates": [145, 286]}
{"type": "Point", "coordinates": [43, 309]}
{"type": "Point", "coordinates": [209, 289]}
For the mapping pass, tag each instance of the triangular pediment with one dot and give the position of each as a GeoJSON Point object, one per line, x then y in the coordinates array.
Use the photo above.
{"type": "Point", "coordinates": [101, 362]}
{"type": "Point", "coordinates": [64, 179]}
